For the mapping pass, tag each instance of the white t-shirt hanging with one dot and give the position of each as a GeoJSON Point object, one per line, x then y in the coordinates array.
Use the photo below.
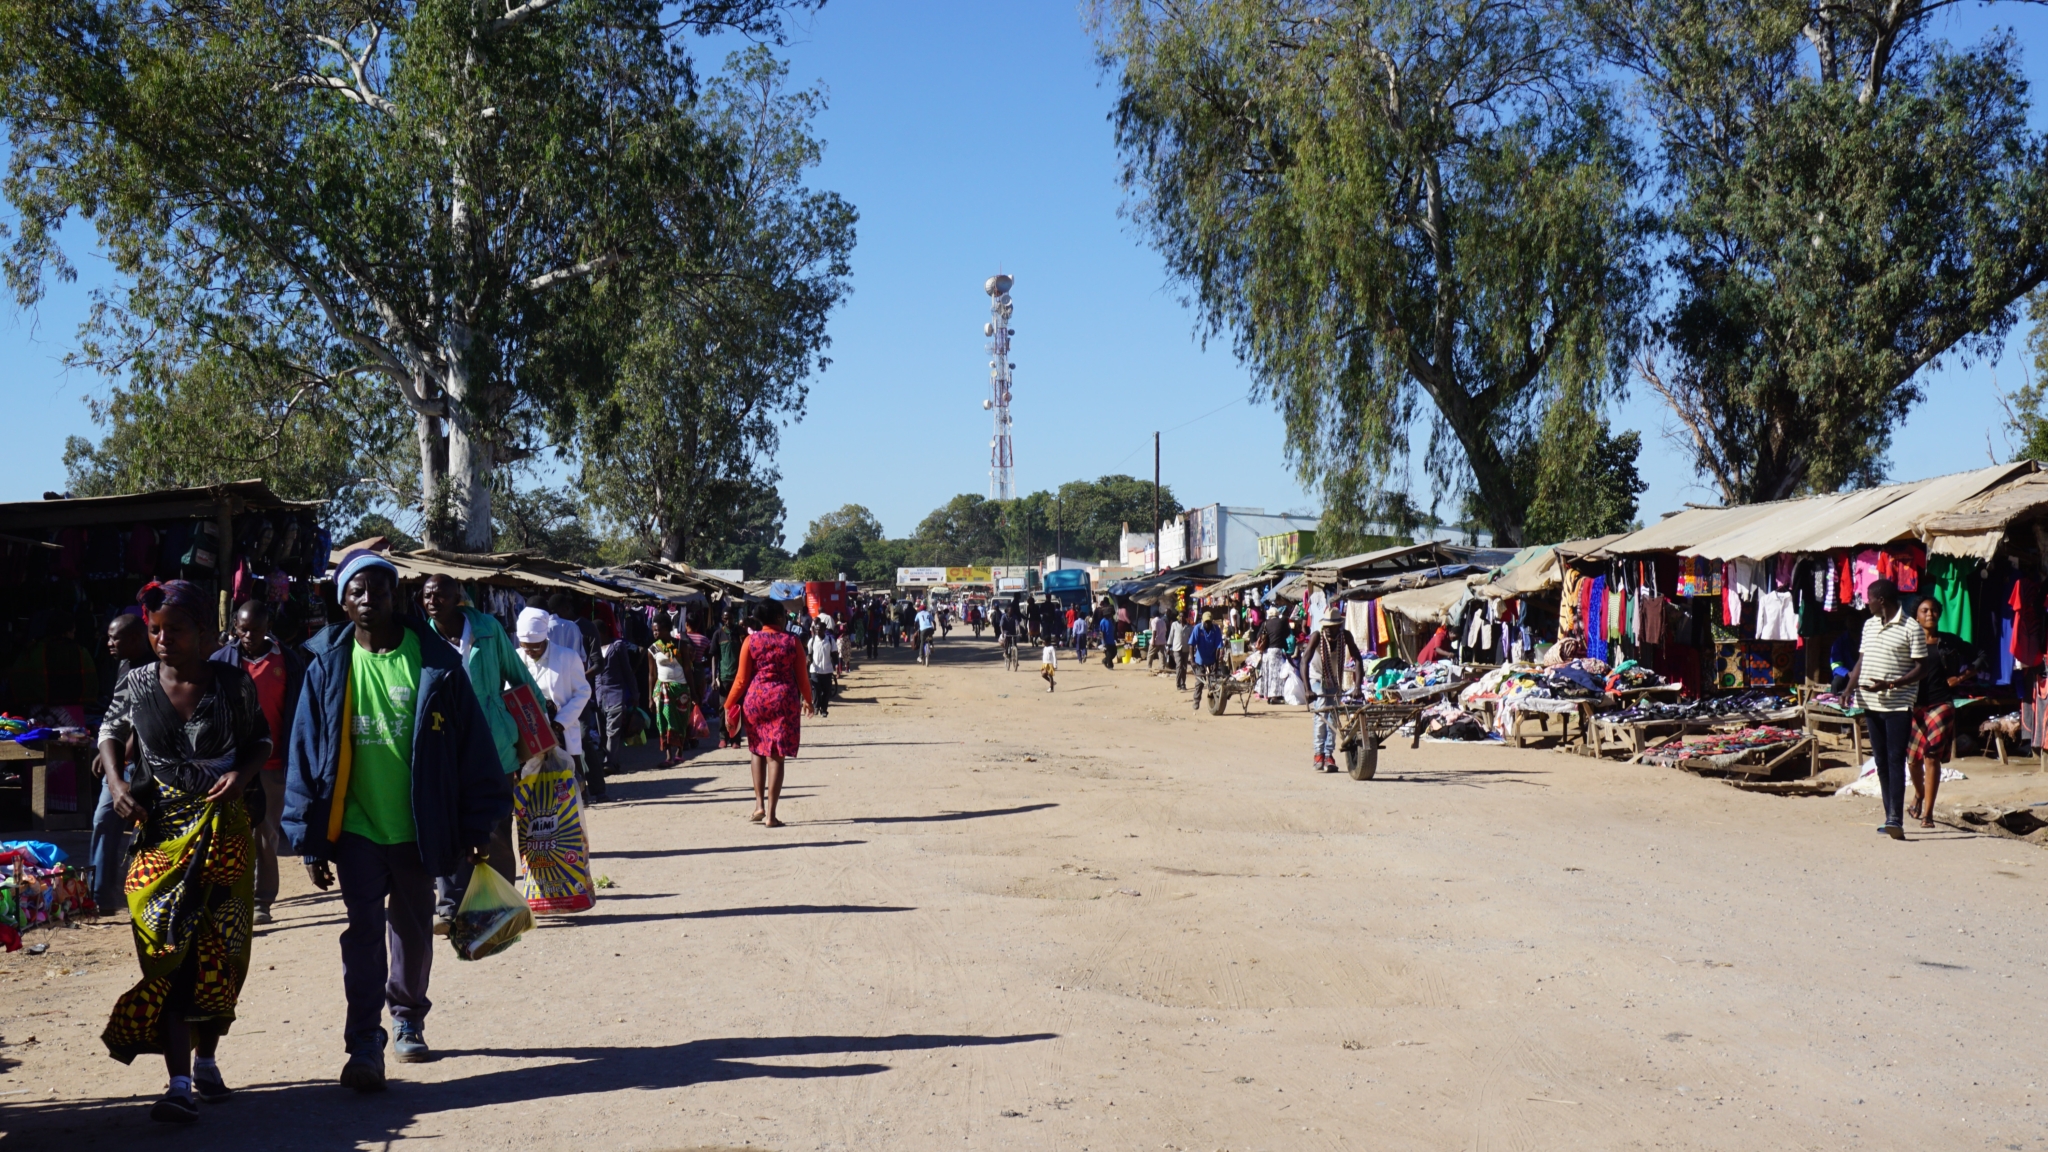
{"type": "Point", "coordinates": [1776, 619]}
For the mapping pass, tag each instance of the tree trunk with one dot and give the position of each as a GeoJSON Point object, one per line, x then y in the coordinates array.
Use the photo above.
{"type": "Point", "coordinates": [470, 465]}
{"type": "Point", "coordinates": [433, 480]}
{"type": "Point", "coordinates": [471, 458]}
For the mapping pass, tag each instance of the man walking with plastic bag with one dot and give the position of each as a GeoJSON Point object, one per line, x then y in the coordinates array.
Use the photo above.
{"type": "Point", "coordinates": [494, 668]}
{"type": "Point", "coordinates": [394, 779]}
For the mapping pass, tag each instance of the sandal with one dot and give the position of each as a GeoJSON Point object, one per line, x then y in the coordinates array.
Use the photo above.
{"type": "Point", "coordinates": [759, 815]}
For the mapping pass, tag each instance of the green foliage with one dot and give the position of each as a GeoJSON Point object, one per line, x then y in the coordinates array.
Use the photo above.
{"type": "Point", "coordinates": [1848, 202]}
{"type": "Point", "coordinates": [377, 524]}
{"type": "Point", "coordinates": [550, 521]}
{"type": "Point", "coordinates": [2027, 407]}
{"type": "Point", "coordinates": [963, 530]}
{"type": "Point", "coordinates": [1402, 212]}
{"type": "Point", "coordinates": [721, 337]}
{"type": "Point", "coordinates": [435, 194]}
{"type": "Point", "coordinates": [215, 413]}
{"type": "Point", "coordinates": [851, 522]}
{"type": "Point", "coordinates": [752, 541]}
{"type": "Point", "coordinates": [1586, 484]}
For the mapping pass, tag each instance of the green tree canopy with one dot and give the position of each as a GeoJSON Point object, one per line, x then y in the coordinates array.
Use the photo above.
{"type": "Point", "coordinates": [1403, 213]}
{"type": "Point", "coordinates": [434, 195]}
{"type": "Point", "coordinates": [1847, 201]}
{"type": "Point", "coordinates": [721, 336]}
{"type": "Point", "coordinates": [850, 522]}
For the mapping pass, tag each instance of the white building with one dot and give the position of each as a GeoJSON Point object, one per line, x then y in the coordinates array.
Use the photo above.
{"type": "Point", "coordinates": [1226, 534]}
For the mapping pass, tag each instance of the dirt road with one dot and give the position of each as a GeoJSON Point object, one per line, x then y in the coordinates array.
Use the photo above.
{"type": "Point", "coordinates": [1002, 918]}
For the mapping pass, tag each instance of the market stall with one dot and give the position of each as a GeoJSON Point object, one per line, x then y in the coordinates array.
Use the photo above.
{"type": "Point", "coordinates": [1741, 605]}
{"type": "Point", "coordinates": [71, 565]}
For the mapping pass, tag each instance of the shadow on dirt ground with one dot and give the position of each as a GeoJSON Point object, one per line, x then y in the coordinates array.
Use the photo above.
{"type": "Point", "coordinates": [322, 1114]}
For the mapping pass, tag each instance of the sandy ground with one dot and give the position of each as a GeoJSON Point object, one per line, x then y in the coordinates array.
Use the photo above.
{"type": "Point", "coordinates": [1001, 918]}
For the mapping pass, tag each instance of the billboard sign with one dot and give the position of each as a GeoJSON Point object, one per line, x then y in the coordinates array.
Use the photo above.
{"type": "Point", "coordinates": [920, 576]}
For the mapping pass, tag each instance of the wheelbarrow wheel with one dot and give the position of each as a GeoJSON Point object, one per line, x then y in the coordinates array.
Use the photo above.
{"type": "Point", "coordinates": [1219, 699]}
{"type": "Point", "coordinates": [1362, 757]}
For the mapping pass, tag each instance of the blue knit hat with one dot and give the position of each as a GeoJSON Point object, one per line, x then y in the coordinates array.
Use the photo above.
{"type": "Point", "coordinates": [356, 561]}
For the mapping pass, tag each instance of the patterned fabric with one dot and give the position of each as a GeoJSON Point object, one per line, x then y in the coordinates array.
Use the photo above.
{"type": "Point", "coordinates": [1934, 735]}
{"type": "Point", "coordinates": [191, 891]}
{"type": "Point", "coordinates": [773, 707]}
{"type": "Point", "coordinates": [553, 839]}
{"type": "Point", "coordinates": [672, 709]}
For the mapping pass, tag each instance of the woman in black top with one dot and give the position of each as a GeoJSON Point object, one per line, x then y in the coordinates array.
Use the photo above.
{"type": "Point", "coordinates": [191, 878]}
{"type": "Point", "coordinates": [1952, 664]}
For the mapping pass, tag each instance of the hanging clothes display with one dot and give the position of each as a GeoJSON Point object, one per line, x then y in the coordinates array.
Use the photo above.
{"type": "Point", "coordinates": [1948, 581]}
{"type": "Point", "coordinates": [1775, 618]}
{"type": "Point", "coordinates": [1596, 624]}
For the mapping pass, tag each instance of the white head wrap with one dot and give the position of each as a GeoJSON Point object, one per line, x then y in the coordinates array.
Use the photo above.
{"type": "Point", "coordinates": [533, 625]}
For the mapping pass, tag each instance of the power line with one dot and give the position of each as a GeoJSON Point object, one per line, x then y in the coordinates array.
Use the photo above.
{"type": "Point", "coordinates": [1178, 427]}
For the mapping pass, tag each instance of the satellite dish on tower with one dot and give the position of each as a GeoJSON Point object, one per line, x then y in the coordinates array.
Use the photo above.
{"type": "Point", "coordinates": [997, 285]}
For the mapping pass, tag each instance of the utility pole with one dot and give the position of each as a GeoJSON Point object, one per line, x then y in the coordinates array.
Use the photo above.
{"type": "Point", "coordinates": [1059, 542]}
{"type": "Point", "coordinates": [1158, 554]}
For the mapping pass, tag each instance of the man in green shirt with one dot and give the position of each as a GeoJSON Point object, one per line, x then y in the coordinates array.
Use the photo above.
{"type": "Point", "coordinates": [494, 669]}
{"type": "Point", "coordinates": [395, 778]}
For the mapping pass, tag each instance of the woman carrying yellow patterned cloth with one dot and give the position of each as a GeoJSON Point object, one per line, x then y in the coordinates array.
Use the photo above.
{"type": "Point", "coordinates": [191, 877]}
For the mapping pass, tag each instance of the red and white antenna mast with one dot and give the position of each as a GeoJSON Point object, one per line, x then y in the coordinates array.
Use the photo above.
{"type": "Point", "coordinates": [1002, 485]}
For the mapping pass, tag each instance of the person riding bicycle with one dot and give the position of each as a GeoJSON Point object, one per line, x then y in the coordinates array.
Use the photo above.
{"type": "Point", "coordinates": [926, 625]}
{"type": "Point", "coordinates": [1006, 634]}
{"type": "Point", "coordinates": [1329, 651]}
{"type": "Point", "coordinates": [1205, 644]}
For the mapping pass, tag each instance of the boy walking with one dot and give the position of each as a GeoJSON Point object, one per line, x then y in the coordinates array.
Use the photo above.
{"type": "Point", "coordinates": [1049, 665]}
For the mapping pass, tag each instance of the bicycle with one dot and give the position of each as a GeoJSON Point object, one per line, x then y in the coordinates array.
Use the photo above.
{"type": "Point", "coordinates": [1010, 653]}
{"type": "Point", "coordinates": [924, 648]}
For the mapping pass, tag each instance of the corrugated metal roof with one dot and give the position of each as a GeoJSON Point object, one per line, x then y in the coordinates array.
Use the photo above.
{"type": "Point", "coordinates": [1995, 509]}
{"type": "Point", "coordinates": [1863, 518]}
{"type": "Point", "coordinates": [1431, 605]}
{"type": "Point", "coordinates": [1685, 529]}
{"type": "Point", "coordinates": [1929, 497]}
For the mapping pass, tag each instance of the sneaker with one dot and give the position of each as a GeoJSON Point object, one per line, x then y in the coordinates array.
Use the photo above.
{"type": "Point", "coordinates": [364, 1071]}
{"type": "Point", "coordinates": [208, 1084]}
{"type": "Point", "coordinates": [175, 1108]}
{"type": "Point", "coordinates": [262, 914]}
{"type": "Point", "coordinates": [441, 924]}
{"type": "Point", "coordinates": [410, 1045]}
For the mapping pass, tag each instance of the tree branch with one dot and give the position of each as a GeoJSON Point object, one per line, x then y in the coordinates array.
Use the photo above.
{"type": "Point", "coordinates": [513, 17]}
{"type": "Point", "coordinates": [1648, 369]}
{"type": "Point", "coordinates": [581, 268]}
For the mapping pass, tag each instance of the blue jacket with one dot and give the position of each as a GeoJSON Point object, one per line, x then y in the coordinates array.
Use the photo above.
{"type": "Point", "coordinates": [459, 789]}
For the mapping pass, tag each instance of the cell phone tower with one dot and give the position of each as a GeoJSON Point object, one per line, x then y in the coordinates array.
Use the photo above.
{"type": "Point", "coordinates": [1002, 485]}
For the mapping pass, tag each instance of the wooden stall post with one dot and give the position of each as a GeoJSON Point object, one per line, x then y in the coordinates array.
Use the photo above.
{"type": "Point", "coordinates": [224, 522]}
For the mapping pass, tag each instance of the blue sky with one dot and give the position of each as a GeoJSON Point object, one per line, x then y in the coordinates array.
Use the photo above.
{"type": "Point", "coordinates": [973, 138]}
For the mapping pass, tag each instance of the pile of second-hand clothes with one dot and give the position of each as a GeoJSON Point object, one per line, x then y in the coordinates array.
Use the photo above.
{"type": "Point", "coordinates": [1444, 720]}
{"type": "Point", "coordinates": [1400, 683]}
{"type": "Point", "coordinates": [1520, 688]}
{"type": "Point", "coordinates": [1754, 702]}
{"type": "Point", "coordinates": [1721, 749]}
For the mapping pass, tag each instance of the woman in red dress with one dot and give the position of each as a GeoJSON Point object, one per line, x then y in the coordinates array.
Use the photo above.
{"type": "Point", "coordinates": [772, 694]}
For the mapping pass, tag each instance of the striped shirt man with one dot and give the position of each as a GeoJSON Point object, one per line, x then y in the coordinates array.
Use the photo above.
{"type": "Point", "coordinates": [1892, 648]}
